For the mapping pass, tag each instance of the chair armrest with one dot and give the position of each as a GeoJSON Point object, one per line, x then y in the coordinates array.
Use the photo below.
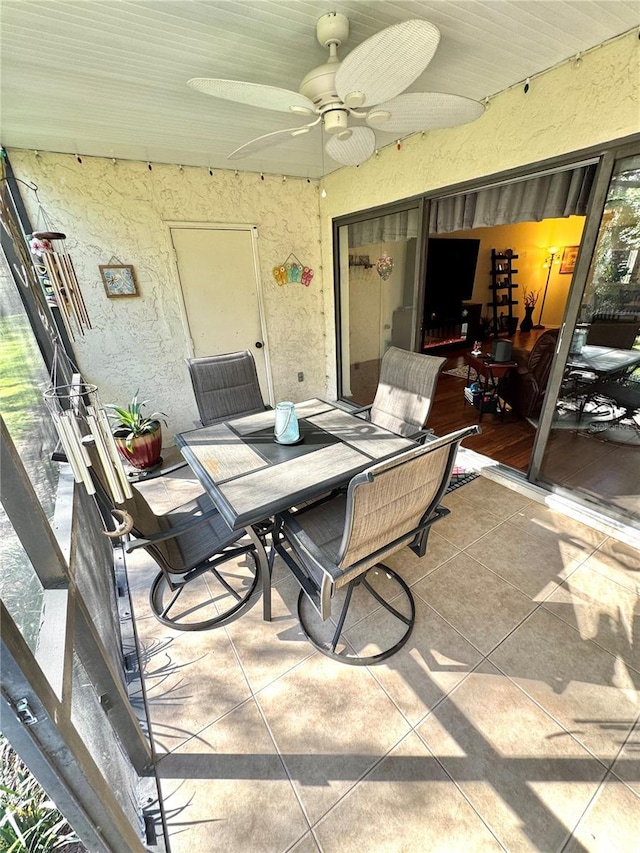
{"type": "Point", "coordinates": [143, 476]}
{"type": "Point", "coordinates": [179, 529]}
{"type": "Point", "coordinates": [362, 410]}
{"type": "Point", "coordinates": [421, 435]}
{"type": "Point", "coordinates": [290, 525]}
{"type": "Point", "coordinates": [521, 357]}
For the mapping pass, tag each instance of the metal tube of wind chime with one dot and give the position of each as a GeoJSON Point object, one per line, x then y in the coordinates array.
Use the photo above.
{"type": "Point", "coordinates": [79, 416]}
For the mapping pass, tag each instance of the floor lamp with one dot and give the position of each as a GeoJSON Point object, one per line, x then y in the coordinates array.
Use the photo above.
{"type": "Point", "coordinates": [553, 251]}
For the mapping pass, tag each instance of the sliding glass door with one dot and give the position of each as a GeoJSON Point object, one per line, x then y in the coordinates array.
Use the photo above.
{"type": "Point", "coordinates": [593, 446]}
{"type": "Point", "coordinates": [377, 260]}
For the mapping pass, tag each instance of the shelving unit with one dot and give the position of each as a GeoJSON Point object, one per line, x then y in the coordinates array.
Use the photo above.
{"type": "Point", "coordinates": [502, 287]}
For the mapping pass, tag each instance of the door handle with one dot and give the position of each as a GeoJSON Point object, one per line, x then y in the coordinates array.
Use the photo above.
{"type": "Point", "coordinates": [259, 344]}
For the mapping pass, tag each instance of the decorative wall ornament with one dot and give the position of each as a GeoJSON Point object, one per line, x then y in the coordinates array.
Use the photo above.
{"type": "Point", "coordinates": [384, 266]}
{"type": "Point", "coordinates": [568, 262]}
{"type": "Point", "coordinates": [118, 280]}
{"type": "Point", "coordinates": [292, 271]}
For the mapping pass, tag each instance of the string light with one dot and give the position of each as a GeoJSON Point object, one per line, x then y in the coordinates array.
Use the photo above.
{"type": "Point", "coordinates": [261, 176]}
{"type": "Point", "coordinates": [78, 158]}
{"type": "Point", "coordinates": [284, 179]}
{"type": "Point", "coordinates": [149, 166]}
{"type": "Point", "coordinates": [236, 173]}
{"type": "Point", "coordinates": [114, 161]}
{"type": "Point", "coordinates": [210, 171]}
{"type": "Point", "coordinates": [577, 62]}
{"type": "Point", "coordinates": [398, 145]}
{"type": "Point", "coordinates": [180, 169]}
{"type": "Point", "coordinates": [527, 84]}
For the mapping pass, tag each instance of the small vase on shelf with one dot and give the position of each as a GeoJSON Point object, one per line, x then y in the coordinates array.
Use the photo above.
{"type": "Point", "coordinates": [527, 323]}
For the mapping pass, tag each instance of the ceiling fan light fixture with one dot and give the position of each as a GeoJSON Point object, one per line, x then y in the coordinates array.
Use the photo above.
{"type": "Point", "coordinates": [335, 121]}
{"type": "Point", "coordinates": [353, 100]}
{"type": "Point", "coordinates": [344, 134]}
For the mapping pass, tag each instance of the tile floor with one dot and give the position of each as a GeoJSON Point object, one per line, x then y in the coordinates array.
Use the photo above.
{"type": "Point", "coordinates": [510, 720]}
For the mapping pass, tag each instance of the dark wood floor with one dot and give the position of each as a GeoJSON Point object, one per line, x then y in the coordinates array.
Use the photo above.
{"type": "Point", "coordinates": [509, 441]}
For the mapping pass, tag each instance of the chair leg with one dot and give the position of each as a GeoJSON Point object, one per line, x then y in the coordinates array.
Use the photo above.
{"type": "Point", "coordinates": [184, 620]}
{"type": "Point", "coordinates": [328, 648]}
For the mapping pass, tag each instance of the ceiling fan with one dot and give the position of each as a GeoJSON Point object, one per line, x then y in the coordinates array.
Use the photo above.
{"type": "Point", "coordinates": [366, 85]}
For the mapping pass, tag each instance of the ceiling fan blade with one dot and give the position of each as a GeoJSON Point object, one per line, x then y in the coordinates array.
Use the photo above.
{"type": "Point", "coordinates": [354, 150]}
{"type": "Point", "coordinates": [423, 111]}
{"type": "Point", "coordinates": [254, 94]}
{"type": "Point", "coordinates": [268, 140]}
{"type": "Point", "coordinates": [385, 64]}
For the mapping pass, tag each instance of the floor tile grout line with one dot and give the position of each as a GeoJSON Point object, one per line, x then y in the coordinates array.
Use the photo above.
{"type": "Point", "coordinates": [363, 776]}
{"type": "Point", "coordinates": [449, 694]}
{"type": "Point", "coordinates": [471, 643]}
{"type": "Point", "coordinates": [285, 770]}
{"type": "Point", "coordinates": [196, 735]}
{"type": "Point", "coordinates": [604, 574]}
{"type": "Point", "coordinates": [601, 761]}
{"type": "Point", "coordinates": [460, 790]}
{"type": "Point", "coordinates": [254, 696]}
{"type": "Point", "coordinates": [587, 808]}
{"type": "Point", "coordinates": [512, 584]}
{"type": "Point", "coordinates": [635, 669]}
{"type": "Point", "coordinates": [636, 725]}
{"type": "Point", "coordinates": [614, 655]}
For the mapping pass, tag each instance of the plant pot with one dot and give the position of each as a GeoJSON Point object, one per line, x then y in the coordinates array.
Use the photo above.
{"type": "Point", "coordinates": [144, 450]}
{"type": "Point", "coordinates": [527, 323]}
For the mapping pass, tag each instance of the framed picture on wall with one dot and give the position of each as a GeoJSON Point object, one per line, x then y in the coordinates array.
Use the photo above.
{"type": "Point", "coordinates": [118, 280]}
{"type": "Point", "coordinates": [568, 262]}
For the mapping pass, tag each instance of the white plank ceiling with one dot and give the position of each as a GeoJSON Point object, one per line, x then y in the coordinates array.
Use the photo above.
{"type": "Point", "coordinates": [108, 77]}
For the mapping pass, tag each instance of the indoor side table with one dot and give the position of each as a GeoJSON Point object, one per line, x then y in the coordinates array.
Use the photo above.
{"type": "Point", "coordinates": [488, 372]}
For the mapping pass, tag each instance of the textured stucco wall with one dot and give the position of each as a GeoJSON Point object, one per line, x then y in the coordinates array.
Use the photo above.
{"type": "Point", "coordinates": [566, 109]}
{"type": "Point", "coordinates": [120, 210]}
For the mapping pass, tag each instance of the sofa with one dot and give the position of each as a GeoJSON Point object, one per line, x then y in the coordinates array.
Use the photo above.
{"type": "Point", "coordinates": [523, 387]}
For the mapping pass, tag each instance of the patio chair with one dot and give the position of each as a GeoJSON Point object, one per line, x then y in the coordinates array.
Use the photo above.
{"type": "Point", "coordinates": [405, 392]}
{"type": "Point", "coordinates": [187, 542]}
{"type": "Point", "coordinates": [335, 548]}
{"type": "Point", "coordinates": [225, 386]}
{"type": "Point", "coordinates": [623, 397]}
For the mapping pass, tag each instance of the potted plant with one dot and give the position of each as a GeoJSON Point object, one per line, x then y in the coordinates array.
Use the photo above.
{"type": "Point", "coordinates": [138, 437]}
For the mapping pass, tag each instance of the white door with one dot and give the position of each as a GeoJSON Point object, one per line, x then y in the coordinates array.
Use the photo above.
{"type": "Point", "coordinates": [220, 286]}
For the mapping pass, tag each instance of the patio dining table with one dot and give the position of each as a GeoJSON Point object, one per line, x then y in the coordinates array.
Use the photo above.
{"type": "Point", "coordinates": [249, 477]}
{"type": "Point", "coordinates": [605, 362]}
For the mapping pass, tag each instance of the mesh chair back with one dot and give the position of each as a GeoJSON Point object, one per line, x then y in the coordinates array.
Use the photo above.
{"type": "Point", "coordinates": [388, 501]}
{"type": "Point", "coordinates": [613, 334]}
{"type": "Point", "coordinates": [405, 391]}
{"type": "Point", "coordinates": [225, 386]}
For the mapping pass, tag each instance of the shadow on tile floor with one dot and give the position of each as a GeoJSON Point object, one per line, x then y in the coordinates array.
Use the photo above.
{"type": "Point", "coordinates": [509, 720]}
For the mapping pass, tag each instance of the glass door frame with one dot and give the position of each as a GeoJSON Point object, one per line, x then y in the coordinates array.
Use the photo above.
{"type": "Point", "coordinates": [414, 203]}
{"type": "Point", "coordinates": [597, 203]}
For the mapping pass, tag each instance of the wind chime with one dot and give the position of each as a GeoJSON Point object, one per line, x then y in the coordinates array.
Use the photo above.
{"type": "Point", "coordinates": [57, 274]}
{"type": "Point", "coordinates": [80, 420]}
